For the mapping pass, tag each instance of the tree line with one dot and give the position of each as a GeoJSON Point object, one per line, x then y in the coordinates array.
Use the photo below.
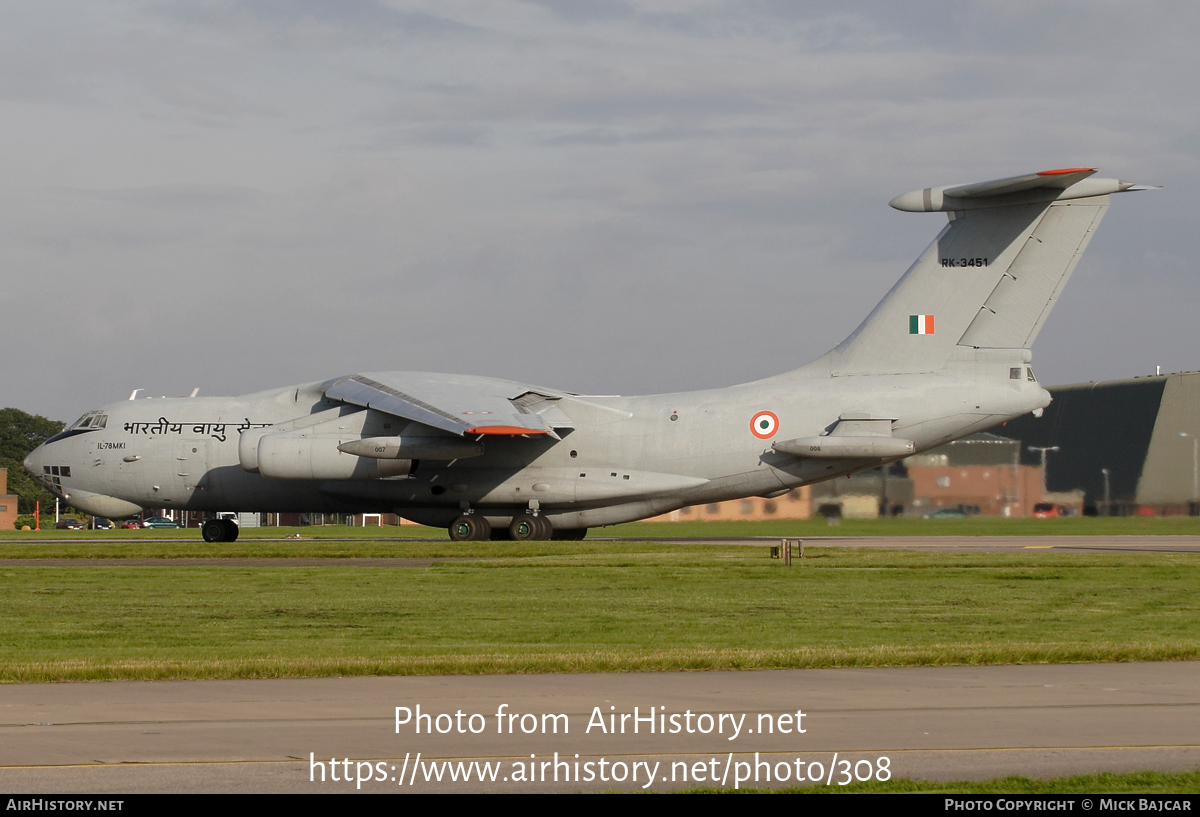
{"type": "Point", "coordinates": [20, 433]}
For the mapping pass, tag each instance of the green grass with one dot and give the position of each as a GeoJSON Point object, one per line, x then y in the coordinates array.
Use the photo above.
{"type": "Point", "coordinates": [414, 540]}
{"type": "Point", "coordinates": [591, 606]}
{"type": "Point", "coordinates": [193, 534]}
{"type": "Point", "coordinates": [976, 526]}
{"type": "Point", "coordinates": [817, 527]}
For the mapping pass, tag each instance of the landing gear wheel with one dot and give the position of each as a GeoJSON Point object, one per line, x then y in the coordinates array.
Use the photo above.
{"type": "Point", "coordinates": [526, 527]}
{"type": "Point", "coordinates": [219, 530]}
{"type": "Point", "coordinates": [469, 528]}
{"type": "Point", "coordinates": [213, 530]}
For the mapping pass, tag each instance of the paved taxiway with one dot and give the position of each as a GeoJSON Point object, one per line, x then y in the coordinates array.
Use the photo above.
{"type": "Point", "coordinates": [948, 544]}
{"type": "Point", "coordinates": [965, 544]}
{"type": "Point", "coordinates": [930, 722]}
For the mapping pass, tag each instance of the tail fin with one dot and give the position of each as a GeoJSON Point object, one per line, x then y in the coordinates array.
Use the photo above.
{"type": "Point", "coordinates": [990, 277]}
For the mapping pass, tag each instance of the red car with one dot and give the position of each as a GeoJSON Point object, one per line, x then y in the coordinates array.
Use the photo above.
{"type": "Point", "coordinates": [1046, 510]}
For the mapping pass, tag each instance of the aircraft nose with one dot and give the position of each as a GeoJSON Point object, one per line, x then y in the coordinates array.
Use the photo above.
{"type": "Point", "coordinates": [33, 463]}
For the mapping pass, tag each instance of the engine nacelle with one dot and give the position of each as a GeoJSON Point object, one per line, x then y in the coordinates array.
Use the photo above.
{"type": "Point", "coordinates": [248, 448]}
{"type": "Point", "coordinates": [302, 455]}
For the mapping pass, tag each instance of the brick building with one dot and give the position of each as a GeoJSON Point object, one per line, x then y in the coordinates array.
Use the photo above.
{"type": "Point", "coordinates": [8, 503]}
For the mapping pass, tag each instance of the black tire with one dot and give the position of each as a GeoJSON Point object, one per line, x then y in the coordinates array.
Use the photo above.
{"type": "Point", "coordinates": [524, 528]}
{"type": "Point", "coordinates": [572, 535]}
{"type": "Point", "coordinates": [231, 530]}
{"type": "Point", "coordinates": [545, 529]}
{"type": "Point", "coordinates": [469, 528]}
{"type": "Point", "coordinates": [213, 530]}
{"type": "Point", "coordinates": [462, 529]}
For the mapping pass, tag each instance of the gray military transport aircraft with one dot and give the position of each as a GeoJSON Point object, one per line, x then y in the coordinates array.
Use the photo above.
{"type": "Point", "coordinates": [943, 355]}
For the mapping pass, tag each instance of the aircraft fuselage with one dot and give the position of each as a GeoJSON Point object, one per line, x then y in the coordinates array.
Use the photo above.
{"type": "Point", "coordinates": [626, 457]}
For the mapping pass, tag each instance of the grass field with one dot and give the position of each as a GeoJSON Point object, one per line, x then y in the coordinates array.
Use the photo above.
{"type": "Point", "coordinates": [340, 540]}
{"type": "Point", "coordinates": [579, 606]}
{"type": "Point", "coordinates": [973, 526]}
{"type": "Point", "coordinates": [601, 605]}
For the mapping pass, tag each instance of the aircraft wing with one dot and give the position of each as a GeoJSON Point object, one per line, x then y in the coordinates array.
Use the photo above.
{"type": "Point", "coordinates": [460, 404]}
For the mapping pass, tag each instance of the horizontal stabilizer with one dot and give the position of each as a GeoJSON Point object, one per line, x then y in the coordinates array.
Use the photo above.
{"type": "Point", "coordinates": [1051, 179]}
{"type": "Point", "coordinates": [1045, 186]}
{"type": "Point", "coordinates": [990, 277]}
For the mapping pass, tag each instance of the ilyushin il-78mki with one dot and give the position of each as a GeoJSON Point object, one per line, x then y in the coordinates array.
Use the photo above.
{"type": "Point", "coordinates": [946, 353]}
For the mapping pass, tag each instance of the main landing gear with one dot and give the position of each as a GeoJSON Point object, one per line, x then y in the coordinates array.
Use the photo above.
{"type": "Point", "coordinates": [524, 528]}
{"type": "Point", "coordinates": [470, 528]}
{"type": "Point", "coordinates": [219, 530]}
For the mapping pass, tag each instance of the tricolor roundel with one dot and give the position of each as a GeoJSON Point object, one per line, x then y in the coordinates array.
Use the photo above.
{"type": "Point", "coordinates": [764, 425]}
{"type": "Point", "coordinates": [920, 324]}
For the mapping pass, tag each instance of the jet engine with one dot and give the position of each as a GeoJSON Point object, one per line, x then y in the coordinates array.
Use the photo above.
{"type": "Point", "coordinates": [303, 455]}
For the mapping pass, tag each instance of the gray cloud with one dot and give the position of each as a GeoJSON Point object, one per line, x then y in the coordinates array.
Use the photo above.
{"type": "Point", "coordinates": [611, 197]}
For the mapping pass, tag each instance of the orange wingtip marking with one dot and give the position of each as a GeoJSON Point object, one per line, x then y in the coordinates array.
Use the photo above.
{"type": "Point", "coordinates": [510, 430]}
{"type": "Point", "coordinates": [1065, 171]}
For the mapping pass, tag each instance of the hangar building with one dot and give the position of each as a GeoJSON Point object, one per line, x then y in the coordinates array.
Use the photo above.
{"type": "Point", "coordinates": [1144, 432]}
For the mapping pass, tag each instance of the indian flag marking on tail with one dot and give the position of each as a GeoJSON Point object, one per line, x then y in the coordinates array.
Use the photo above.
{"type": "Point", "coordinates": [920, 324]}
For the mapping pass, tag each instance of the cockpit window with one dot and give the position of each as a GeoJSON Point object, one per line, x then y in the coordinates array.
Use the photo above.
{"type": "Point", "coordinates": [1029, 376]}
{"type": "Point", "coordinates": [91, 421]}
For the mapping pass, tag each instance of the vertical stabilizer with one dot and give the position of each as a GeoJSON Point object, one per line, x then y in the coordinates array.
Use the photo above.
{"type": "Point", "coordinates": [990, 277]}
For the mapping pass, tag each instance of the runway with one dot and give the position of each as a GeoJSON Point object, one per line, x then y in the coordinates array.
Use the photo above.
{"type": "Point", "coordinates": [938, 723]}
{"type": "Point", "coordinates": [967, 544]}
{"type": "Point", "coordinates": [946, 544]}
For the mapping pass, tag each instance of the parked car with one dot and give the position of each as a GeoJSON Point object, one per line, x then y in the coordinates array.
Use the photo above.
{"type": "Point", "coordinates": [68, 523]}
{"type": "Point", "coordinates": [132, 524]}
{"type": "Point", "coordinates": [1046, 510]}
{"type": "Point", "coordinates": [100, 523]}
{"type": "Point", "coordinates": [159, 522]}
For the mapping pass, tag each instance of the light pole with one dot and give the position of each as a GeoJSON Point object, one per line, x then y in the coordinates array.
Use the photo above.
{"type": "Point", "coordinates": [1192, 511]}
{"type": "Point", "coordinates": [1106, 492]}
{"type": "Point", "coordinates": [1044, 451]}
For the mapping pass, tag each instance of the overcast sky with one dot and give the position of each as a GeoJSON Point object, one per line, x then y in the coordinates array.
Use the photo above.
{"type": "Point", "coordinates": [600, 196]}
